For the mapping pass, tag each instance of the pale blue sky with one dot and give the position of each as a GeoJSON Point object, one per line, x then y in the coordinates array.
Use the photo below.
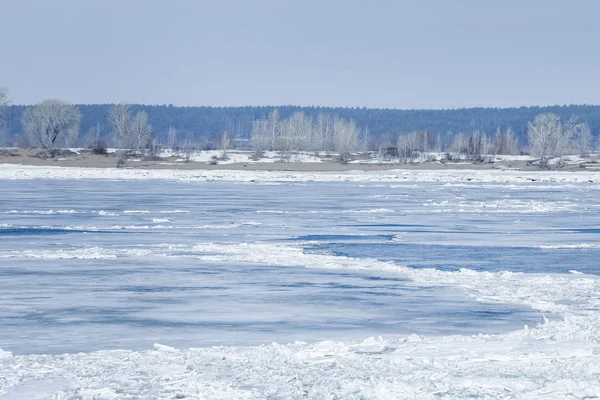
{"type": "Point", "coordinates": [386, 53]}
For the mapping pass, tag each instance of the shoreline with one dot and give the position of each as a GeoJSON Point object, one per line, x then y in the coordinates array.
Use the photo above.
{"type": "Point", "coordinates": [86, 159]}
{"type": "Point", "coordinates": [390, 176]}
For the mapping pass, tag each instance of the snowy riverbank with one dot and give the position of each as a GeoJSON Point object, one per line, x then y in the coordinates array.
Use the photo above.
{"type": "Point", "coordinates": [12, 171]}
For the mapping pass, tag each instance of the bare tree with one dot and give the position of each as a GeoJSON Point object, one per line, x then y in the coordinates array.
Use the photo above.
{"type": "Point", "coordinates": [50, 123]}
{"type": "Point", "coordinates": [295, 132]}
{"type": "Point", "coordinates": [301, 132]}
{"type": "Point", "coordinates": [324, 131]}
{"type": "Point", "coordinates": [261, 139]}
{"type": "Point", "coordinates": [4, 101]}
{"type": "Point", "coordinates": [120, 120]}
{"type": "Point", "coordinates": [171, 137]}
{"type": "Point", "coordinates": [141, 130]}
{"type": "Point", "coordinates": [505, 143]}
{"type": "Point", "coordinates": [132, 131]}
{"type": "Point", "coordinates": [364, 140]}
{"type": "Point", "coordinates": [541, 134]}
{"type": "Point", "coordinates": [438, 143]}
{"type": "Point", "coordinates": [583, 139]}
{"type": "Point", "coordinates": [274, 127]}
{"type": "Point", "coordinates": [563, 137]}
{"type": "Point", "coordinates": [459, 144]}
{"type": "Point", "coordinates": [188, 146]}
{"type": "Point", "coordinates": [346, 138]}
{"type": "Point", "coordinates": [91, 139]}
{"type": "Point", "coordinates": [407, 147]}
{"type": "Point", "coordinates": [224, 142]}
{"type": "Point", "coordinates": [549, 137]}
{"type": "Point", "coordinates": [478, 146]}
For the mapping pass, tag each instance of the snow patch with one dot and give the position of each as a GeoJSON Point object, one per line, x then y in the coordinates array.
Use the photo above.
{"type": "Point", "coordinates": [572, 246]}
{"type": "Point", "coordinates": [21, 172]}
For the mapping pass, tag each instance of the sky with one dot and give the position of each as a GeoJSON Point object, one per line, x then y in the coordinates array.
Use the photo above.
{"type": "Point", "coordinates": [378, 53]}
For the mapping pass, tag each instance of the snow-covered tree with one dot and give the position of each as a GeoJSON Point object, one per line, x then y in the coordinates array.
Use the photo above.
{"type": "Point", "coordinates": [51, 123]}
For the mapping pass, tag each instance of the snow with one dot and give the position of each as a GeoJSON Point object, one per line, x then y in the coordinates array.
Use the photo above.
{"type": "Point", "coordinates": [500, 206]}
{"type": "Point", "coordinates": [557, 357]}
{"type": "Point", "coordinates": [572, 246]}
{"type": "Point", "coordinates": [568, 160]}
{"type": "Point", "coordinates": [244, 157]}
{"type": "Point", "coordinates": [16, 172]}
{"type": "Point", "coordinates": [514, 158]}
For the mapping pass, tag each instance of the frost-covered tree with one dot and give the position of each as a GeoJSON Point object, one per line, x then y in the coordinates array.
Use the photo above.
{"type": "Point", "coordinates": [224, 142]}
{"type": "Point", "coordinates": [458, 144]}
{"type": "Point", "coordinates": [295, 132]}
{"type": "Point", "coordinates": [365, 139]}
{"type": "Point", "coordinates": [542, 133]}
{"type": "Point", "coordinates": [51, 123]}
{"type": "Point", "coordinates": [171, 137]}
{"type": "Point", "coordinates": [408, 147]}
{"type": "Point", "coordinates": [549, 137]}
{"type": "Point", "coordinates": [141, 130]}
{"type": "Point", "coordinates": [564, 137]}
{"type": "Point", "coordinates": [92, 137]}
{"type": "Point", "coordinates": [505, 143]}
{"type": "Point", "coordinates": [323, 128]}
{"type": "Point", "coordinates": [346, 137]}
{"type": "Point", "coordinates": [301, 132]}
{"type": "Point", "coordinates": [120, 120]}
{"type": "Point", "coordinates": [4, 101]}
{"type": "Point", "coordinates": [477, 146]}
{"type": "Point", "coordinates": [583, 139]}
{"type": "Point", "coordinates": [131, 131]}
{"type": "Point", "coordinates": [274, 128]}
{"type": "Point", "coordinates": [261, 139]}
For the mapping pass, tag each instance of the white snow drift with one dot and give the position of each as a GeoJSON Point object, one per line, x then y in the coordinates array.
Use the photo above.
{"type": "Point", "coordinates": [9, 171]}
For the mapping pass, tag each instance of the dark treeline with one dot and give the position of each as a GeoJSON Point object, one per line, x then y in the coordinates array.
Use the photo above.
{"type": "Point", "coordinates": [383, 124]}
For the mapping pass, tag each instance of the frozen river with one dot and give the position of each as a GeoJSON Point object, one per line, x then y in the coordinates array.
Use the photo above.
{"type": "Point", "coordinates": [89, 265]}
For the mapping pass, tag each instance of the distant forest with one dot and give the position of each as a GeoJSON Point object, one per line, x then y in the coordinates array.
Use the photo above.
{"type": "Point", "coordinates": [207, 123]}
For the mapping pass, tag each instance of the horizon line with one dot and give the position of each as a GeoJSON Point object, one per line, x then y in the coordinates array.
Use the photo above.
{"type": "Point", "coordinates": [329, 107]}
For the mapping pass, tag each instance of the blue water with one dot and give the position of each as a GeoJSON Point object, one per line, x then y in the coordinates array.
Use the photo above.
{"type": "Point", "coordinates": [146, 285]}
{"type": "Point", "coordinates": [455, 257]}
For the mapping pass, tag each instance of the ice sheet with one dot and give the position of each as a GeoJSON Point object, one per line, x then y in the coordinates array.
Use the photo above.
{"type": "Point", "coordinates": [139, 246]}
